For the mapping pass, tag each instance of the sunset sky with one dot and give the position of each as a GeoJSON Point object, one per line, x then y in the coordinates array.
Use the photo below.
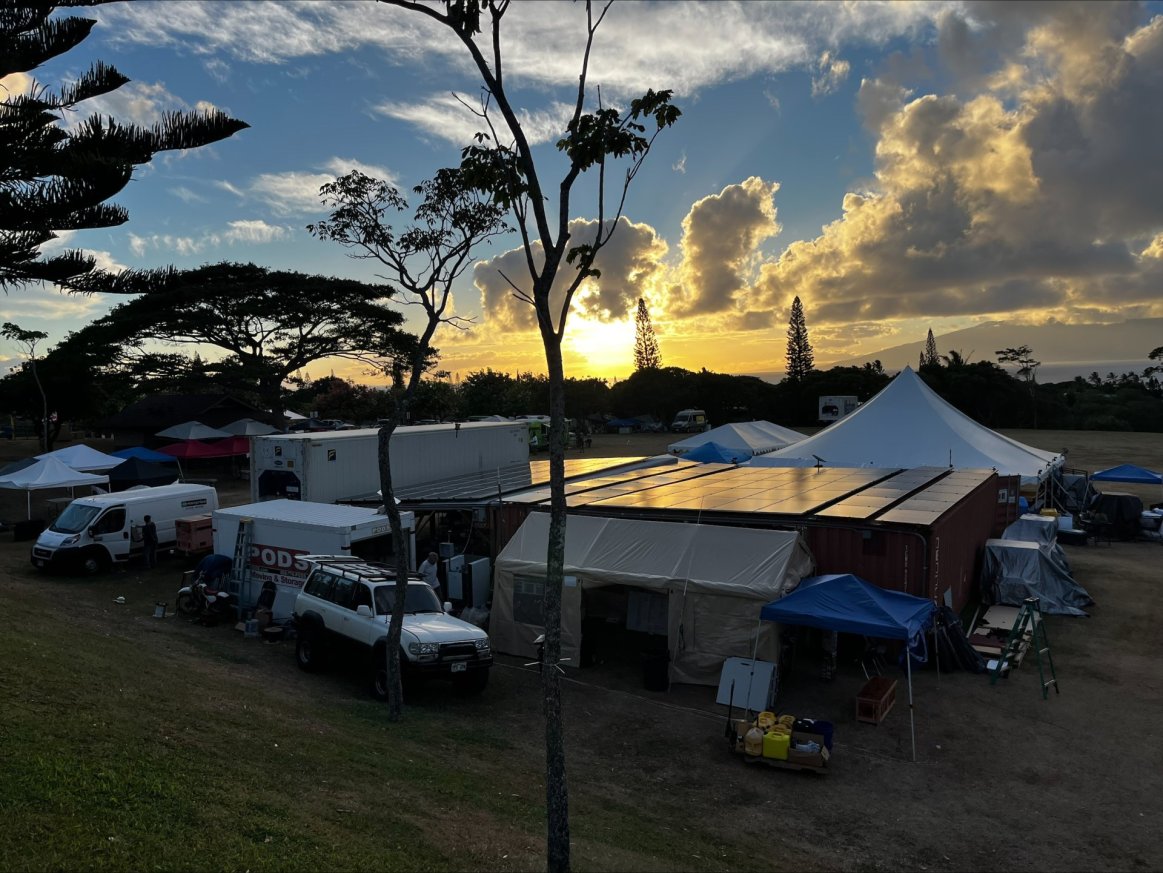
{"type": "Point", "coordinates": [899, 166]}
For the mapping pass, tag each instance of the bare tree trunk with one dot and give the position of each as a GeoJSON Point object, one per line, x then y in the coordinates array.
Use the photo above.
{"type": "Point", "coordinates": [400, 549]}
{"type": "Point", "coordinates": [556, 790]}
{"type": "Point", "coordinates": [45, 439]}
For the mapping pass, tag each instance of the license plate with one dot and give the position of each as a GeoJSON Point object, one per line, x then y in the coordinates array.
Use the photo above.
{"type": "Point", "coordinates": [459, 667]}
{"type": "Point", "coordinates": [38, 563]}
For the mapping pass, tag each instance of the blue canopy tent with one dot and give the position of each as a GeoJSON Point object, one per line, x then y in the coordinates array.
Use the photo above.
{"type": "Point", "coordinates": [144, 454]}
{"type": "Point", "coordinates": [846, 603]}
{"type": "Point", "coordinates": [1128, 473]}
{"type": "Point", "coordinates": [712, 452]}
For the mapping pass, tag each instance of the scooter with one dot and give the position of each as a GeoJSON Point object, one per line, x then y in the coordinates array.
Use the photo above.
{"type": "Point", "coordinates": [209, 603]}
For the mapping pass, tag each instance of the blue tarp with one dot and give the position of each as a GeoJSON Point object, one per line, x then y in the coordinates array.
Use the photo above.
{"type": "Point", "coordinates": [144, 454]}
{"type": "Point", "coordinates": [712, 452]}
{"type": "Point", "coordinates": [846, 603]}
{"type": "Point", "coordinates": [1128, 473]}
{"type": "Point", "coordinates": [624, 422]}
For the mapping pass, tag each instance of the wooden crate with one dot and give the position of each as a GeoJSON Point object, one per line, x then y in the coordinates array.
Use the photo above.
{"type": "Point", "coordinates": [195, 534]}
{"type": "Point", "coordinates": [875, 699]}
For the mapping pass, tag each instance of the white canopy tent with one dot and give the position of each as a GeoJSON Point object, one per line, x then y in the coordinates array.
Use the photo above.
{"type": "Point", "coordinates": [48, 473]}
{"type": "Point", "coordinates": [83, 458]}
{"type": "Point", "coordinates": [752, 437]}
{"type": "Point", "coordinates": [909, 425]}
{"type": "Point", "coordinates": [715, 579]}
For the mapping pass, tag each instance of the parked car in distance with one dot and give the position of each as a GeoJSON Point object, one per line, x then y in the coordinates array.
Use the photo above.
{"type": "Point", "coordinates": [346, 603]}
{"type": "Point", "coordinates": [689, 421]}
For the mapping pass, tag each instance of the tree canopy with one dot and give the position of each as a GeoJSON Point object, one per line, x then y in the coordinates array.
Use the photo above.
{"type": "Point", "coordinates": [273, 323]}
{"type": "Point", "coordinates": [55, 177]}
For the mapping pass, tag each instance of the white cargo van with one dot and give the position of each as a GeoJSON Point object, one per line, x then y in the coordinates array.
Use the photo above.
{"type": "Point", "coordinates": [94, 532]}
{"type": "Point", "coordinates": [689, 421]}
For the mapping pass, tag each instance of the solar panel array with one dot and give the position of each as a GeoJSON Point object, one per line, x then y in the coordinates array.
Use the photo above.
{"type": "Point", "coordinates": [929, 505]}
{"type": "Point", "coordinates": [516, 477]}
{"type": "Point", "coordinates": [621, 482]}
{"type": "Point", "coordinates": [916, 496]}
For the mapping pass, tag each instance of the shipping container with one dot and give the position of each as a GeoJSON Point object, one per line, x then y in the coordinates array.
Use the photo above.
{"type": "Point", "coordinates": [344, 465]}
{"type": "Point", "coordinates": [285, 529]}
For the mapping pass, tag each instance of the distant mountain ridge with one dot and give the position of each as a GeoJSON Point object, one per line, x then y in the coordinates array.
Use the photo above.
{"type": "Point", "coordinates": [1065, 350]}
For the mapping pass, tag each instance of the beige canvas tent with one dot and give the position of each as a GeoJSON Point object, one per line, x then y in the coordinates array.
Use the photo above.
{"type": "Point", "coordinates": [714, 579]}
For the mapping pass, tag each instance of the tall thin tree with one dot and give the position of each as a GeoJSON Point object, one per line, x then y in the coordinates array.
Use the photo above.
{"type": "Point", "coordinates": [504, 165]}
{"type": "Point", "coordinates": [28, 340]}
{"type": "Point", "coordinates": [646, 354]}
{"type": "Point", "coordinates": [930, 355]}
{"type": "Point", "coordinates": [422, 262]}
{"type": "Point", "coordinates": [800, 359]}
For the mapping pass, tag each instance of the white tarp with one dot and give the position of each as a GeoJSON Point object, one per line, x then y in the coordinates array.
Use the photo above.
{"type": "Point", "coordinates": [83, 458]}
{"type": "Point", "coordinates": [754, 437]}
{"type": "Point", "coordinates": [908, 425]}
{"type": "Point", "coordinates": [716, 578]}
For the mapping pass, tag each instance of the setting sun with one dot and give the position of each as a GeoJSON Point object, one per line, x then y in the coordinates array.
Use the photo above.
{"type": "Point", "coordinates": [597, 348]}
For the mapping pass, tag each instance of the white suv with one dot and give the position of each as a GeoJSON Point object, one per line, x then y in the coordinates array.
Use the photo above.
{"type": "Point", "coordinates": [347, 601]}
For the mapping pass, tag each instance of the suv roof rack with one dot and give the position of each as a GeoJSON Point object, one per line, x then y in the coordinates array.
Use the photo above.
{"type": "Point", "coordinates": [362, 568]}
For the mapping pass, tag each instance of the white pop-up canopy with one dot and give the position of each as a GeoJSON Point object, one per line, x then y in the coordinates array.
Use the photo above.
{"type": "Point", "coordinates": [749, 437]}
{"type": "Point", "coordinates": [83, 458]}
{"type": "Point", "coordinates": [909, 425]}
{"type": "Point", "coordinates": [716, 579]}
{"type": "Point", "coordinates": [48, 473]}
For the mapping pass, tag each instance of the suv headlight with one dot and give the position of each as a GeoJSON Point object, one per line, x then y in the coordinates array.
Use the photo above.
{"type": "Point", "coordinates": [482, 645]}
{"type": "Point", "coordinates": [424, 648]}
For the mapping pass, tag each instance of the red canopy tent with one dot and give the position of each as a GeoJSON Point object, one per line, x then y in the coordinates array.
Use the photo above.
{"type": "Point", "coordinates": [195, 449]}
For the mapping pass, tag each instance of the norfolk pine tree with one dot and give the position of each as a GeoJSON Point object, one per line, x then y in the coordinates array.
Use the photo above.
{"type": "Point", "coordinates": [54, 178]}
{"type": "Point", "coordinates": [422, 262]}
{"type": "Point", "coordinates": [646, 354]}
{"type": "Point", "coordinates": [930, 355]}
{"type": "Point", "coordinates": [505, 169]}
{"type": "Point", "coordinates": [800, 359]}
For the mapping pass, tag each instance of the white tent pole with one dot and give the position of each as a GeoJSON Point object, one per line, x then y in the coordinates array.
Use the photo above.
{"type": "Point", "coordinates": [912, 724]}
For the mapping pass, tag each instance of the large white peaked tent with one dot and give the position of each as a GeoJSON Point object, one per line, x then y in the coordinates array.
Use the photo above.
{"type": "Point", "coordinates": [908, 425]}
{"type": "Point", "coordinates": [750, 437]}
{"type": "Point", "coordinates": [712, 580]}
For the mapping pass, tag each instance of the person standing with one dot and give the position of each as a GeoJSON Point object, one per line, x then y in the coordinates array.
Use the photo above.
{"type": "Point", "coordinates": [428, 572]}
{"type": "Point", "coordinates": [149, 542]}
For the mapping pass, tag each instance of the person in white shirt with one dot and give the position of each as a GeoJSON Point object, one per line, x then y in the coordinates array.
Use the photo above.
{"type": "Point", "coordinates": [427, 571]}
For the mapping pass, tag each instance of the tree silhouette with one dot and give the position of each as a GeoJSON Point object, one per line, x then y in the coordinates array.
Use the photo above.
{"type": "Point", "coordinates": [28, 341]}
{"type": "Point", "coordinates": [274, 323]}
{"type": "Point", "coordinates": [930, 354]}
{"type": "Point", "coordinates": [422, 261]}
{"type": "Point", "coordinates": [800, 359]}
{"type": "Point", "coordinates": [56, 178]}
{"type": "Point", "coordinates": [1027, 368]}
{"type": "Point", "coordinates": [646, 354]}
{"type": "Point", "coordinates": [501, 162]}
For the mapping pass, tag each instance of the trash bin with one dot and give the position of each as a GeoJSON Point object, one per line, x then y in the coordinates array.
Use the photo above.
{"type": "Point", "coordinates": [655, 671]}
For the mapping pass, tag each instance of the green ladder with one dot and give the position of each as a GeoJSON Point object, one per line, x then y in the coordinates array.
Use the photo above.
{"type": "Point", "coordinates": [1029, 616]}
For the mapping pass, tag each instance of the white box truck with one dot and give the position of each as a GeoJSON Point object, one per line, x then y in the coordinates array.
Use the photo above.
{"type": "Point", "coordinates": [284, 530]}
{"type": "Point", "coordinates": [833, 408]}
{"type": "Point", "coordinates": [95, 532]}
{"type": "Point", "coordinates": [344, 465]}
